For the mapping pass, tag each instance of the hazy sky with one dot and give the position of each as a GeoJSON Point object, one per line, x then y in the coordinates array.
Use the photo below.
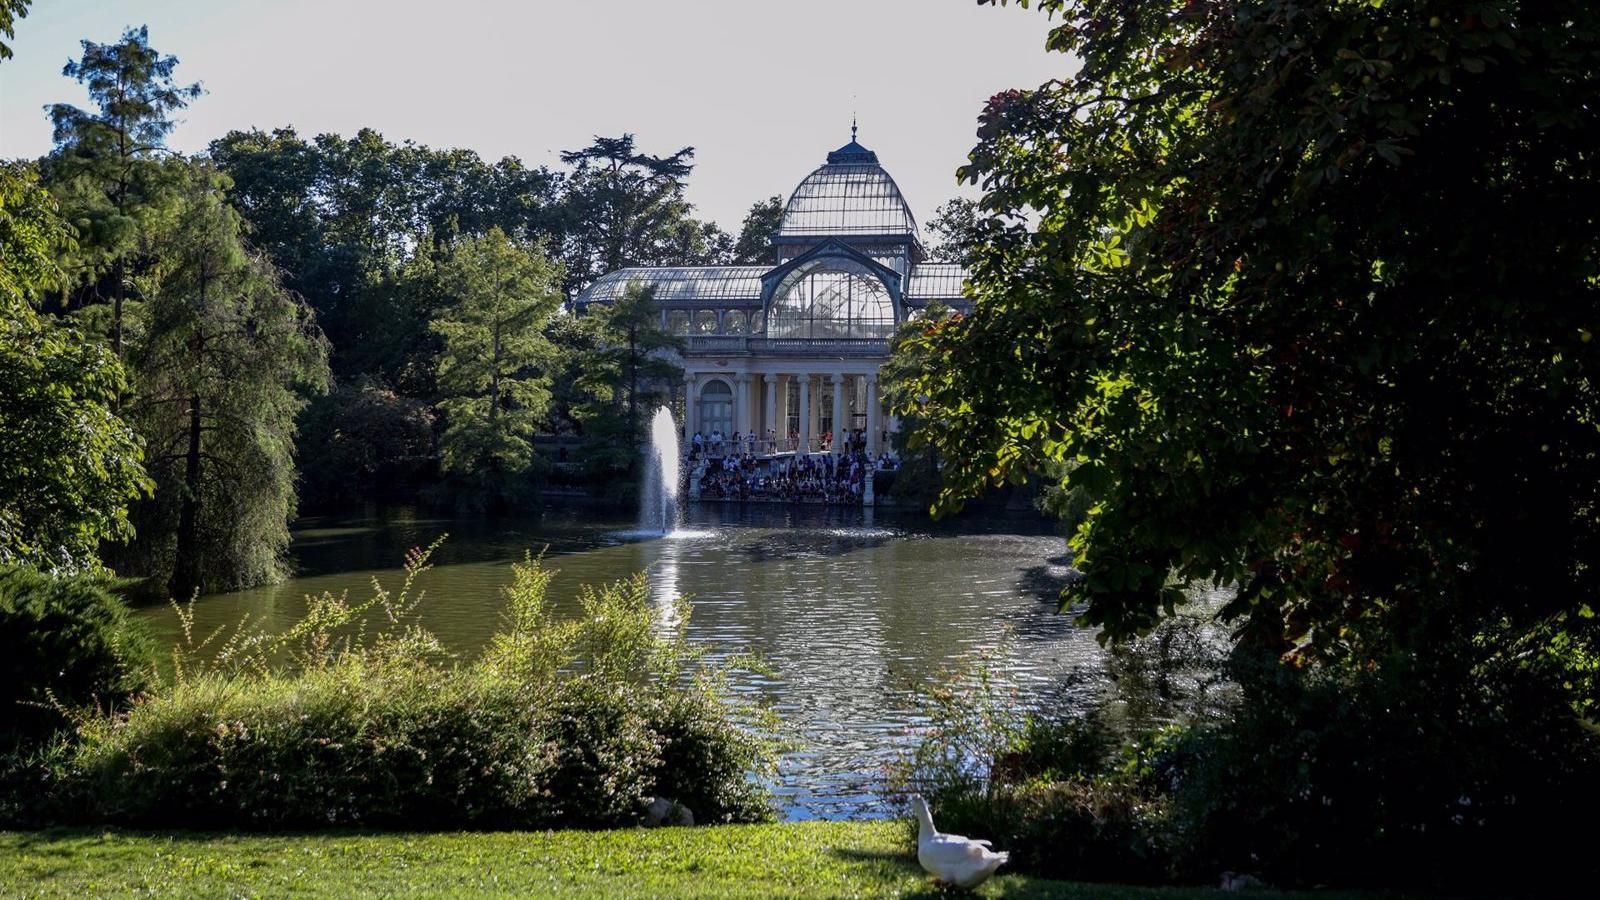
{"type": "Point", "coordinates": [761, 89]}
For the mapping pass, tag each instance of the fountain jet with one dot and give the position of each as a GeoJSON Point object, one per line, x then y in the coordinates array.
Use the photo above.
{"type": "Point", "coordinates": [658, 498]}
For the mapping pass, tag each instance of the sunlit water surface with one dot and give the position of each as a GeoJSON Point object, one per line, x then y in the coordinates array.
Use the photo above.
{"type": "Point", "coordinates": [849, 607]}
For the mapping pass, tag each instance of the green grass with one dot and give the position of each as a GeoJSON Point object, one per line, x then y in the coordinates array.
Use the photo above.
{"type": "Point", "coordinates": [814, 859]}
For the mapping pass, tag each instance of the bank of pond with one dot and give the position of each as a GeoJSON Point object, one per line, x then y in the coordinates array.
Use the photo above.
{"type": "Point", "coordinates": [469, 691]}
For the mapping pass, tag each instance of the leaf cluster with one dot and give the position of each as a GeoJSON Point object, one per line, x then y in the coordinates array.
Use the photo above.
{"type": "Point", "coordinates": [1304, 296]}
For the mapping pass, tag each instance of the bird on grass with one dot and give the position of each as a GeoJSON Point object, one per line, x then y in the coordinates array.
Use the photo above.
{"type": "Point", "coordinates": [950, 858]}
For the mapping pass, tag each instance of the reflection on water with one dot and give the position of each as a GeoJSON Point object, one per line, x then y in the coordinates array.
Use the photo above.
{"type": "Point", "coordinates": [848, 606]}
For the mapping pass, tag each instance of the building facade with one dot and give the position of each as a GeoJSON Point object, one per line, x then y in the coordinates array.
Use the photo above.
{"type": "Point", "coordinates": [790, 352]}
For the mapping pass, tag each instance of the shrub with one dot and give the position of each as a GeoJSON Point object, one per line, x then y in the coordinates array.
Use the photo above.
{"type": "Point", "coordinates": [372, 442]}
{"type": "Point", "coordinates": [1054, 791]}
{"type": "Point", "coordinates": [1426, 770]}
{"type": "Point", "coordinates": [65, 642]}
{"type": "Point", "coordinates": [339, 722]}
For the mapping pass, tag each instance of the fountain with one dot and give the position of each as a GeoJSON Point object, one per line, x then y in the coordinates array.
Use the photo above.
{"type": "Point", "coordinates": [658, 497]}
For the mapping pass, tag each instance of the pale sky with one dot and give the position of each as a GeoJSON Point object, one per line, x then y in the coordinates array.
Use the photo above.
{"type": "Point", "coordinates": [761, 89]}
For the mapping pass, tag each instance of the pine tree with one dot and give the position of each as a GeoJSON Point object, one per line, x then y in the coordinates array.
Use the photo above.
{"type": "Point", "coordinates": [109, 167]}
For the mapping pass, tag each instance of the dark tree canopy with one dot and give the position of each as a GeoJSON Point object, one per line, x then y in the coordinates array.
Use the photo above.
{"type": "Point", "coordinates": [954, 228]}
{"type": "Point", "coordinates": [626, 208]}
{"type": "Point", "coordinates": [754, 245]}
{"type": "Point", "coordinates": [1310, 305]}
{"type": "Point", "coordinates": [343, 217]}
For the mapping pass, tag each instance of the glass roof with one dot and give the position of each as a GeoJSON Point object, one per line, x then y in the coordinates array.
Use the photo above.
{"type": "Point", "coordinates": [850, 195]}
{"type": "Point", "coordinates": [677, 283]}
{"type": "Point", "coordinates": [935, 281]}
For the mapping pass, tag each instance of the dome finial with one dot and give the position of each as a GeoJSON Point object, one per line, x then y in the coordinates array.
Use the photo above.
{"type": "Point", "coordinates": [852, 128]}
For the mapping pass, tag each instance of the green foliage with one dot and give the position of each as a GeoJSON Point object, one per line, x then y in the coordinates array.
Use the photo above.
{"type": "Point", "coordinates": [496, 367]}
{"type": "Point", "coordinates": [1060, 498]}
{"type": "Point", "coordinates": [626, 208]}
{"type": "Point", "coordinates": [1430, 774]}
{"type": "Point", "coordinates": [68, 466]}
{"type": "Point", "coordinates": [370, 442]}
{"type": "Point", "coordinates": [109, 169]}
{"type": "Point", "coordinates": [32, 233]}
{"type": "Point", "coordinates": [1310, 305]}
{"type": "Point", "coordinates": [223, 353]}
{"type": "Point", "coordinates": [754, 245]}
{"type": "Point", "coordinates": [623, 378]}
{"type": "Point", "coordinates": [65, 644]}
{"type": "Point", "coordinates": [10, 12]}
{"type": "Point", "coordinates": [346, 217]}
{"type": "Point", "coordinates": [356, 716]}
{"type": "Point", "coordinates": [919, 479]}
{"type": "Point", "coordinates": [954, 228]}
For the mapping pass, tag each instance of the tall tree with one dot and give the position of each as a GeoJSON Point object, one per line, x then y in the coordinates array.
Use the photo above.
{"type": "Point", "coordinates": [496, 367]}
{"type": "Point", "coordinates": [626, 208]}
{"type": "Point", "coordinates": [69, 468]}
{"type": "Point", "coordinates": [624, 374]}
{"type": "Point", "coordinates": [108, 166]}
{"type": "Point", "coordinates": [220, 373]}
{"type": "Point", "coordinates": [754, 246]}
{"type": "Point", "coordinates": [1311, 301]}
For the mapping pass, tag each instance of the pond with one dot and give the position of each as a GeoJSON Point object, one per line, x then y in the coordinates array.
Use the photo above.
{"type": "Point", "coordinates": [851, 608]}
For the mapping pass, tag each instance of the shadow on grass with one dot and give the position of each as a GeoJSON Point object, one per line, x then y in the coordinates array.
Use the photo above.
{"type": "Point", "coordinates": [904, 864]}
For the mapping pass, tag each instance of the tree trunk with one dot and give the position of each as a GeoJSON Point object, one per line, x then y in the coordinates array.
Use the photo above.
{"type": "Point", "coordinates": [186, 566]}
{"type": "Point", "coordinates": [116, 311]}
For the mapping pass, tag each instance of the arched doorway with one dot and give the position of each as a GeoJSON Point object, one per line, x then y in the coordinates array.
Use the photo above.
{"type": "Point", "coordinates": [716, 408]}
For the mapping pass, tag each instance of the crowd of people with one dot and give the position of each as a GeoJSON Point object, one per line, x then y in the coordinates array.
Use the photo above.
{"type": "Point", "coordinates": [819, 478]}
{"type": "Point", "coordinates": [750, 443]}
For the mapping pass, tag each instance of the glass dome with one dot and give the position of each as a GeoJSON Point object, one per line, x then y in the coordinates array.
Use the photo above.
{"type": "Point", "coordinates": [850, 195]}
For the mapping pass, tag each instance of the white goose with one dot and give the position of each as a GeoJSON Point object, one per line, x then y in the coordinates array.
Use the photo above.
{"type": "Point", "coordinates": [951, 858]}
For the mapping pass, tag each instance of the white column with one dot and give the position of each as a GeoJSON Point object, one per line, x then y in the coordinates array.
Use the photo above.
{"type": "Point", "coordinates": [770, 416]}
{"type": "Point", "coordinates": [691, 406]}
{"type": "Point", "coordinates": [741, 405]}
{"type": "Point", "coordinates": [838, 413]}
{"type": "Point", "coordinates": [872, 414]}
{"type": "Point", "coordinates": [815, 412]}
{"type": "Point", "coordinates": [805, 413]}
{"type": "Point", "coordinates": [783, 411]}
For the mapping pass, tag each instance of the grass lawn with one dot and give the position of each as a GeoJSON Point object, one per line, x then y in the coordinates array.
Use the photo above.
{"type": "Point", "coordinates": [813, 859]}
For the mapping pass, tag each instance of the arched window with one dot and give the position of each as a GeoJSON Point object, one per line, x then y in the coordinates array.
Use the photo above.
{"type": "Point", "coordinates": [733, 322]}
{"type": "Point", "coordinates": [832, 303]}
{"type": "Point", "coordinates": [677, 322]}
{"type": "Point", "coordinates": [716, 408]}
{"type": "Point", "coordinates": [705, 321]}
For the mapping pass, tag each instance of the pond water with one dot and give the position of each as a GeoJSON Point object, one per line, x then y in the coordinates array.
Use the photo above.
{"type": "Point", "coordinates": [851, 608]}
